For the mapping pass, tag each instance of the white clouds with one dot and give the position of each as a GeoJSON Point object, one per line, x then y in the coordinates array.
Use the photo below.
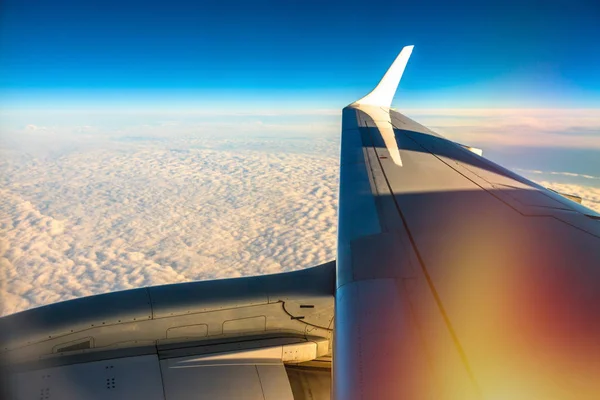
{"type": "Point", "coordinates": [32, 127]}
{"type": "Point", "coordinates": [590, 195]}
{"type": "Point", "coordinates": [84, 219]}
{"type": "Point", "coordinates": [572, 128]}
{"type": "Point", "coordinates": [569, 174]}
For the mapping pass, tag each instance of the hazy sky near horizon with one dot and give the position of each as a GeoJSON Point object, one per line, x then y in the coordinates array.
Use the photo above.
{"type": "Point", "coordinates": [144, 143]}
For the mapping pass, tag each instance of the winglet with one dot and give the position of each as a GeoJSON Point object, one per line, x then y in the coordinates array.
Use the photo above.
{"type": "Point", "coordinates": [383, 94]}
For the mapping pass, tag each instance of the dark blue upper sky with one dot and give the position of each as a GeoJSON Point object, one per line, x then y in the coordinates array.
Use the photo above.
{"type": "Point", "coordinates": [474, 53]}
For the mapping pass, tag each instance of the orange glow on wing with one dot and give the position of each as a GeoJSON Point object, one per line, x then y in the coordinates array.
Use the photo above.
{"type": "Point", "coordinates": [526, 319]}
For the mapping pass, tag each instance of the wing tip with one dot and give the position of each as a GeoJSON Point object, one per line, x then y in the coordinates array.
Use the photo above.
{"type": "Point", "coordinates": [383, 94]}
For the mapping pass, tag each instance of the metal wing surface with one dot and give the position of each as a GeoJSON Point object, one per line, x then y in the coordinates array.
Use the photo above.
{"type": "Point", "coordinates": [457, 278]}
{"type": "Point", "coordinates": [263, 338]}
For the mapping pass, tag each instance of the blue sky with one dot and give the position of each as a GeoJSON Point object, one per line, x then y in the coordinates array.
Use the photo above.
{"type": "Point", "coordinates": [297, 53]}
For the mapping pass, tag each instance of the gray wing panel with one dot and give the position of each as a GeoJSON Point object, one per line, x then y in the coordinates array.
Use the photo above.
{"type": "Point", "coordinates": [380, 346]}
{"type": "Point", "coordinates": [512, 268]}
{"type": "Point", "coordinates": [142, 340]}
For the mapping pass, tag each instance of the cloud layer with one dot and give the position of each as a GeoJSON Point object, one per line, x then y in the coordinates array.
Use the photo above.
{"type": "Point", "coordinates": [132, 211]}
{"type": "Point", "coordinates": [589, 194]}
{"type": "Point", "coordinates": [113, 202]}
{"type": "Point", "coordinates": [566, 128]}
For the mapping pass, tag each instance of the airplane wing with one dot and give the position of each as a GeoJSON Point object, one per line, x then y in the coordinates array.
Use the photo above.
{"type": "Point", "coordinates": [264, 338]}
{"type": "Point", "coordinates": [455, 279]}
